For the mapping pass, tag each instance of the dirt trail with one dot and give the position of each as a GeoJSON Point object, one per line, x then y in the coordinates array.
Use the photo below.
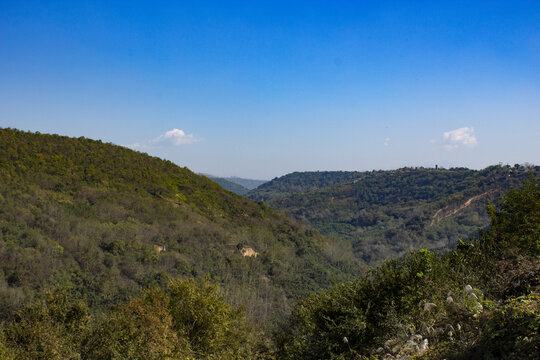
{"type": "Point", "coordinates": [440, 215]}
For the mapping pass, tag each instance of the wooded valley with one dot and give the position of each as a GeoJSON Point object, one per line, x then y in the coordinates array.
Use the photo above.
{"type": "Point", "coordinates": [108, 253]}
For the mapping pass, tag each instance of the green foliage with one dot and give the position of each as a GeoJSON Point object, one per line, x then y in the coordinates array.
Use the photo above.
{"type": "Point", "coordinates": [189, 321]}
{"type": "Point", "coordinates": [202, 317]}
{"type": "Point", "coordinates": [301, 182]}
{"type": "Point", "coordinates": [48, 329]}
{"type": "Point", "coordinates": [386, 213]}
{"type": "Point", "coordinates": [107, 222]}
{"type": "Point", "coordinates": [429, 296]}
{"type": "Point", "coordinates": [515, 224]}
{"type": "Point", "coordinates": [101, 223]}
{"type": "Point", "coordinates": [365, 311]}
{"type": "Point", "coordinates": [513, 332]}
{"type": "Point", "coordinates": [141, 329]}
{"type": "Point", "coordinates": [5, 352]}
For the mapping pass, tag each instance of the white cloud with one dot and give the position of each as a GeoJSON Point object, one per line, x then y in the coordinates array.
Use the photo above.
{"type": "Point", "coordinates": [386, 141]}
{"type": "Point", "coordinates": [459, 137]}
{"type": "Point", "coordinates": [176, 137]}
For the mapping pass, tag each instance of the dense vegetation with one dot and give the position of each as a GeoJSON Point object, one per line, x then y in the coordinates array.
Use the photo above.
{"type": "Point", "coordinates": [384, 214]}
{"type": "Point", "coordinates": [187, 321]}
{"type": "Point", "coordinates": [302, 182]}
{"type": "Point", "coordinates": [106, 253]}
{"type": "Point", "coordinates": [105, 222]}
{"type": "Point", "coordinates": [479, 301]}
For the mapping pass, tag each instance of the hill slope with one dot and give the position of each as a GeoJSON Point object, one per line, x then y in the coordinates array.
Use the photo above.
{"type": "Point", "coordinates": [229, 185]}
{"type": "Point", "coordinates": [107, 221]}
{"type": "Point", "coordinates": [479, 301]}
{"type": "Point", "coordinates": [386, 213]}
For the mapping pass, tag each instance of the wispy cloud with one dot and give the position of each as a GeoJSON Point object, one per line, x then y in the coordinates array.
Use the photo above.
{"type": "Point", "coordinates": [454, 139]}
{"type": "Point", "coordinates": [386, 141]}
{"type": "Point", "coordinates": [174, 137]}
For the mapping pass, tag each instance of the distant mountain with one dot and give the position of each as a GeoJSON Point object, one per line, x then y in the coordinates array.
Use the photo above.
{"type": "Point", "coordinates": [383, 214]}
{"type": "Point", "coordinates": [237, 185]}
{"type": "Point", "coordinates": [229, 185]}
{"type": "Point", "coordinates": [249, 184]}
{"type": "Point", "coordinates": [302, 182]}
{"type": "Point", "coordinates": [107, 222]}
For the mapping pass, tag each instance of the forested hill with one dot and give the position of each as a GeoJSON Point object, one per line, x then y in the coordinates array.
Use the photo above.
{"type": "Point", "coordinates": [479, 301]}
{"type": "Point", "coordinates": [106, 221]}
{"type": "Point", "coordinates": [385, 213]}
{"type": "Point", "coordinates": [301, 182]}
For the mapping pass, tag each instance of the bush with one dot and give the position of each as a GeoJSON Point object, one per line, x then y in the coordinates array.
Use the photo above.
{"type": "Point", "coordinates": [49, 329]}
{"type": "Point", "coordinates": [428, 296]}
{"type": "Point", "coordinates": [141, 329]}
{"type": "Point", "coordinates": [202, 317]}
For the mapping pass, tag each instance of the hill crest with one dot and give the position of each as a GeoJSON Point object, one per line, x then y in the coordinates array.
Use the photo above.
{"type": "Point", "coordinates": [88, 215]}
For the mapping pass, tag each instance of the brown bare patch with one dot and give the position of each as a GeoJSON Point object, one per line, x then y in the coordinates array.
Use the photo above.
{"type": "Point", "coordinates": [249, 252]}
{"type": "Point", "coordinates": [444, 213]}
{"type": "Point", "coordinates": [159, 248]}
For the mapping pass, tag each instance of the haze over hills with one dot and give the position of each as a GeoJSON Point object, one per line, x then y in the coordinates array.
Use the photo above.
{"type": "Point", "coordinates": [229, 185]}
{"type": "Point", "coordinates": [106, 222]}
{"type": "Point", "coordinates": [249, 184]}
{"type": "Point", "coordinates": [386, 213]}
{"type": "Point", "coordinates": [235, 184]}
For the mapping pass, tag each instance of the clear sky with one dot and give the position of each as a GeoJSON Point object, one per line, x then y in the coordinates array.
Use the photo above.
{"type": "Point", "coordinates": [262, 88]}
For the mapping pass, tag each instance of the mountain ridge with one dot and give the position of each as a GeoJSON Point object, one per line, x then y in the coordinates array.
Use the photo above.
{"type": "Point", "coordinates": [386, 213]}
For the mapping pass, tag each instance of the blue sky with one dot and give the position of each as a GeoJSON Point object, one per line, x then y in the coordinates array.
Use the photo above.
{"type": "Point", "coordinates": [262, 88]}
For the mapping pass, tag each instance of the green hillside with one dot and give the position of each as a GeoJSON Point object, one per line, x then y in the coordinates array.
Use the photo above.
{"type": "Point", "coordinates": [302, 182]}
{"type": "Point", "coordinates": [386, 213]}
{"type": "Point", "coordinates": [106, 222]}
{"type": "Point", "coordinates": [478, 301]}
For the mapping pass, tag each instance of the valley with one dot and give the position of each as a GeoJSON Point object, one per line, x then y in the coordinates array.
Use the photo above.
{"type": "Point", "coordinates": [384, 214]}
{"type": "Point", "coordinates": [106, 252]}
